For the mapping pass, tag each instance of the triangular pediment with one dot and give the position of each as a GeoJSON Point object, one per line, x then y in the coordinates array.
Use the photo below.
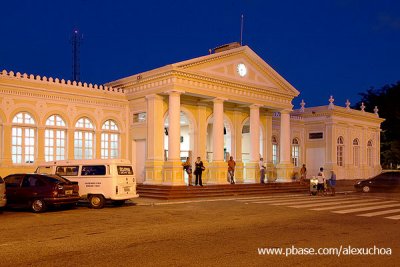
{"type": "Point", "coordinates": [226, 65]}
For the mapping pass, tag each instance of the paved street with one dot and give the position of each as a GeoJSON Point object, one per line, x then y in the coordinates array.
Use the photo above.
{"type": "Point", "coordinates": [210, 232]}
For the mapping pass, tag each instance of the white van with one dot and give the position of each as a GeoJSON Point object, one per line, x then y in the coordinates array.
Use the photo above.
{"type": "Point", "coordinates": [99, 180]}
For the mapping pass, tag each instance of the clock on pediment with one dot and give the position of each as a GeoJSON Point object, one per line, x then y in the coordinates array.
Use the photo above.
{"type": "Point", "coordinates": [241, 69]}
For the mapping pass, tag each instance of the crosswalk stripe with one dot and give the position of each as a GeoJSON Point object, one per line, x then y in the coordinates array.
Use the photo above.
{"type": "Point", "coordinates": [396, 217]}
{"type": "Point", "coordinates": [355, 205]}
{"type": "Point", "coordinates": [330, 202]}
{"type": "Point", "coordinates": [296, 201]}
{"type": "Point", "coordinates": [376, 213]}
{"type": "Point", "coordinates": [367, 208]}
{"type": "Point", "coordinates": [269, 198]}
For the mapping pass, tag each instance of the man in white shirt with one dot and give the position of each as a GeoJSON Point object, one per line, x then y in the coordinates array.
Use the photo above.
{"type": "Point", "coordinates": [262, 170]}
{"type": "Point", "coordinates": [321, 180]}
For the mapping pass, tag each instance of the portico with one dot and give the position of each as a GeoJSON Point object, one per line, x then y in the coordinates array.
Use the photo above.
{"type": "Point", "coordinates": [229, 87]}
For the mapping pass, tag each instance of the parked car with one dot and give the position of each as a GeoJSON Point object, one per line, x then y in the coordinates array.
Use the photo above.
{"type": "Point", "coordinates": [3, 198]}
{"type": "Point", "coordinates": [386, 181]}
{"type": "Point", "coordinates": [39, 191]}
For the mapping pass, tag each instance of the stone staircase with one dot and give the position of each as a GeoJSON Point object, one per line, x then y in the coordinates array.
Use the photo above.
{"type": "Point", "coordinates": [180, 192]}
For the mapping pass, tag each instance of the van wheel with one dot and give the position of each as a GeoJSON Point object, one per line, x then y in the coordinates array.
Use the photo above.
{"type": "Point", "coordinates": [96, 201]}
{"type": "Point", "coordinates": [38, 205]}
{"type": "Point", "coordinates": [118, 203]}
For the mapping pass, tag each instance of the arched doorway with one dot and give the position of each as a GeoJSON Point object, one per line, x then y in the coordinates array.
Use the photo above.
{"type": "Point", "coordinates": [246, 143]}
{"type": "Point", "coordinates": [227, 139]}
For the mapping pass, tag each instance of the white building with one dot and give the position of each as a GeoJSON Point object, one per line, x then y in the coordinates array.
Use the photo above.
{"type": "Point", "coordinates": [229, 102]}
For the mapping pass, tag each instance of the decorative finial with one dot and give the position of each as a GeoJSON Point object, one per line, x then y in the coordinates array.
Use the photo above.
{"type": "Point", "coordinates": [331, 105]}
{"type": "Point", "coordinates": [302, 104]}
{"type": "Point", "coordinates": [362, 107]}
{"type": "Point", "coordinates": [347, 104]}
{"type": "Point", "coordinates": [376, 111]}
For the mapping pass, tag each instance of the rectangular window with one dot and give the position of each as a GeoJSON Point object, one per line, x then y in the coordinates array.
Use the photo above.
{"type": "Point", "coordinates": [356, 156]}
{"type": "Point", "coordinates": [67, 170]}
{"type": "Point", "coordinates": [125, 170]}
{"type": "Point", "coordinates": [93, 170]}
{"type": "Point", "coordinates": [295, 155]}
{"type": "Point", "coordinates": [319, 135]}
{"type": "Point", "coordinates": [274, 154]}
{"type": "Point", "coordinates": [340, 156]}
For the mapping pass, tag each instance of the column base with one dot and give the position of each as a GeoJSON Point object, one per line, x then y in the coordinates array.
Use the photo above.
{"type": "Point", "coordinates": [271, 172]}
{"type": "Point", "coordinates": [218, 172]}
{"type": "Point", "coordinates": [252, 173]}
{"type": "Point", "coordinates": [284, 172]}
{"type": "Point", "coordinates": [153, 170]}
{"type": "Point", "coordinates": [173, 173]}
{"type": "Point", "coordinates": [239, 179]}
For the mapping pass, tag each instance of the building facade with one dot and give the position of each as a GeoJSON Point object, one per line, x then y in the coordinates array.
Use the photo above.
{"type": "Point", "coordinates": [227, 103]}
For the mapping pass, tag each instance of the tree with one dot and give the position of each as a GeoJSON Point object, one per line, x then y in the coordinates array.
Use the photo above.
{"type": "Point", "coordinates": [387, 99]}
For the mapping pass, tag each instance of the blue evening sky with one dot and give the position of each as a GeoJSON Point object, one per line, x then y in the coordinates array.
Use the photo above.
{"type": "Point", "coordinates": [338, 47]}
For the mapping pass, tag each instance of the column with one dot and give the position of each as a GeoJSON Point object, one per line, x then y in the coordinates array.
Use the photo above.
{"type": "Point", "coordinates": [173, 174]}
{"type": "Point", "coordinates": [154, 140]}
{"type": "Point", "coordinates": [252, 168]}
{"type": "Point", "coordinates": [285, 167]}
{"type": "Point", "coordinates": [237, 137]}
{"type": "Point", "coordinates": [40, 144]}
{"type": "Point", "coordinates": [218, 130]}
{"type": "Point", "coordinates": [218, 168]}
{"type": "Point", "coordinates": [271, 172]}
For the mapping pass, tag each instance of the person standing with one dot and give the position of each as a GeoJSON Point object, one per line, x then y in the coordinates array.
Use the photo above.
{"type": "Point", "coordinates": [187, 166]}
{"type": "Point", "coordinates": [262, 170]}
{"type": "Point", "coordinates": [199, 168]}
{"type": "Point", "coordinates": [321, 181]}
{"type": "Point", "coordinates": [332, 183]}
{"type": "Point", "coordinates": [231, 170]}
{"type": "Point", "coordinates": [303, 174]}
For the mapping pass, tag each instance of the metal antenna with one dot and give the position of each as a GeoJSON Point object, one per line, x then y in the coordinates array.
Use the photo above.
{"type": "Point", "coordinates": [76, 40]}
{"type": "Point", "coordinates": [241, 30]}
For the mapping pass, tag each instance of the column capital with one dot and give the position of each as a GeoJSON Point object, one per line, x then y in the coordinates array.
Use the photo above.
{"type": "Point", "coordinates": [174, 92]}
{"type": "Point", "coordinates": [154, 96]}
{"type": "Point", "coordinates": [219, 100]}
{"type": "Point", "coordinates": [255, 106]}
{"type": "Point", "coordinates": [285, 111]}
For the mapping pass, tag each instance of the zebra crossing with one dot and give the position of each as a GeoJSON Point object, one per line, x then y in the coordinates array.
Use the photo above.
{"type": "Point", "coordinates": [339, 204]}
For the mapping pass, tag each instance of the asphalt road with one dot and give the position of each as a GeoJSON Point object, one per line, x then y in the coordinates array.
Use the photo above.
{"type": "Point", "coordinates": [217, 232]}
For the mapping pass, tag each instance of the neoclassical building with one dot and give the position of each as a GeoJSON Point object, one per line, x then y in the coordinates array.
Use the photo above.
{"type": "Point", "coordinates": [230, 102]}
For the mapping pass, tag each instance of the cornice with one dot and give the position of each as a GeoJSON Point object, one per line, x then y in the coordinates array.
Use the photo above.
{"type": "Point", "coordinates": [69, 98]}
{"type": "Point", "coordinates": [65, 83]}
{"type": "Point", "coordinates": [191, 80]}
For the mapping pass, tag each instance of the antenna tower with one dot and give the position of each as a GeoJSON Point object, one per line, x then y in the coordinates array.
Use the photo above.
{"type": "Point", "coordinates": [76, 40]}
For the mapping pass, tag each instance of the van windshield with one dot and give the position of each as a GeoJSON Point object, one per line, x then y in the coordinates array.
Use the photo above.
{"type": "Point", "coordinates": [125, 170]}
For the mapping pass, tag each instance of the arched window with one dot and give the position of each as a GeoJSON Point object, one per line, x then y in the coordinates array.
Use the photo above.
{"type": "Point", "coordinates": [356, 152]}
{"type": "Point", "coordinates": [23, 138]}
{"type": "Point", "coordinates": [84, 139]}
{"type": "Point", "coordinates": [370, 154]}
{"type": "Point", "coordinates": [295, 152]}
{"type": "Point", "coordinates": [109, 140]}
{"type": "Point", "coordinates": [275, 150]}
{"type": "Point", "coordinates": [340, 151]}
{"type": "Point", "coordinates": [55, 138]}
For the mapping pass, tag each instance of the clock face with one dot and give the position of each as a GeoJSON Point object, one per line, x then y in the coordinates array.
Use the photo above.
{"type": "Point", "coordinates": [241, 69]}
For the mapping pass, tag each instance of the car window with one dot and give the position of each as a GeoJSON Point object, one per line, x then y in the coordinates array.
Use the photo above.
{"type": "Point", "coordinates": [32, 181]}
{"type": "Point", "coordinates": [93, 170]}
{"type": "Point", "coordinates": [14, 180]}
{"type": "Point", "coordinates": [67, 171]}
{"type": "Point", "coordinates": [124, 170]}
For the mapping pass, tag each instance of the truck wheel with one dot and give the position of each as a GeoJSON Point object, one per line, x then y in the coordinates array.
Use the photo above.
{"type": "Point", "coordinates": [96, 201]}
{"type": "Point", "coordinates": [38, 205]}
